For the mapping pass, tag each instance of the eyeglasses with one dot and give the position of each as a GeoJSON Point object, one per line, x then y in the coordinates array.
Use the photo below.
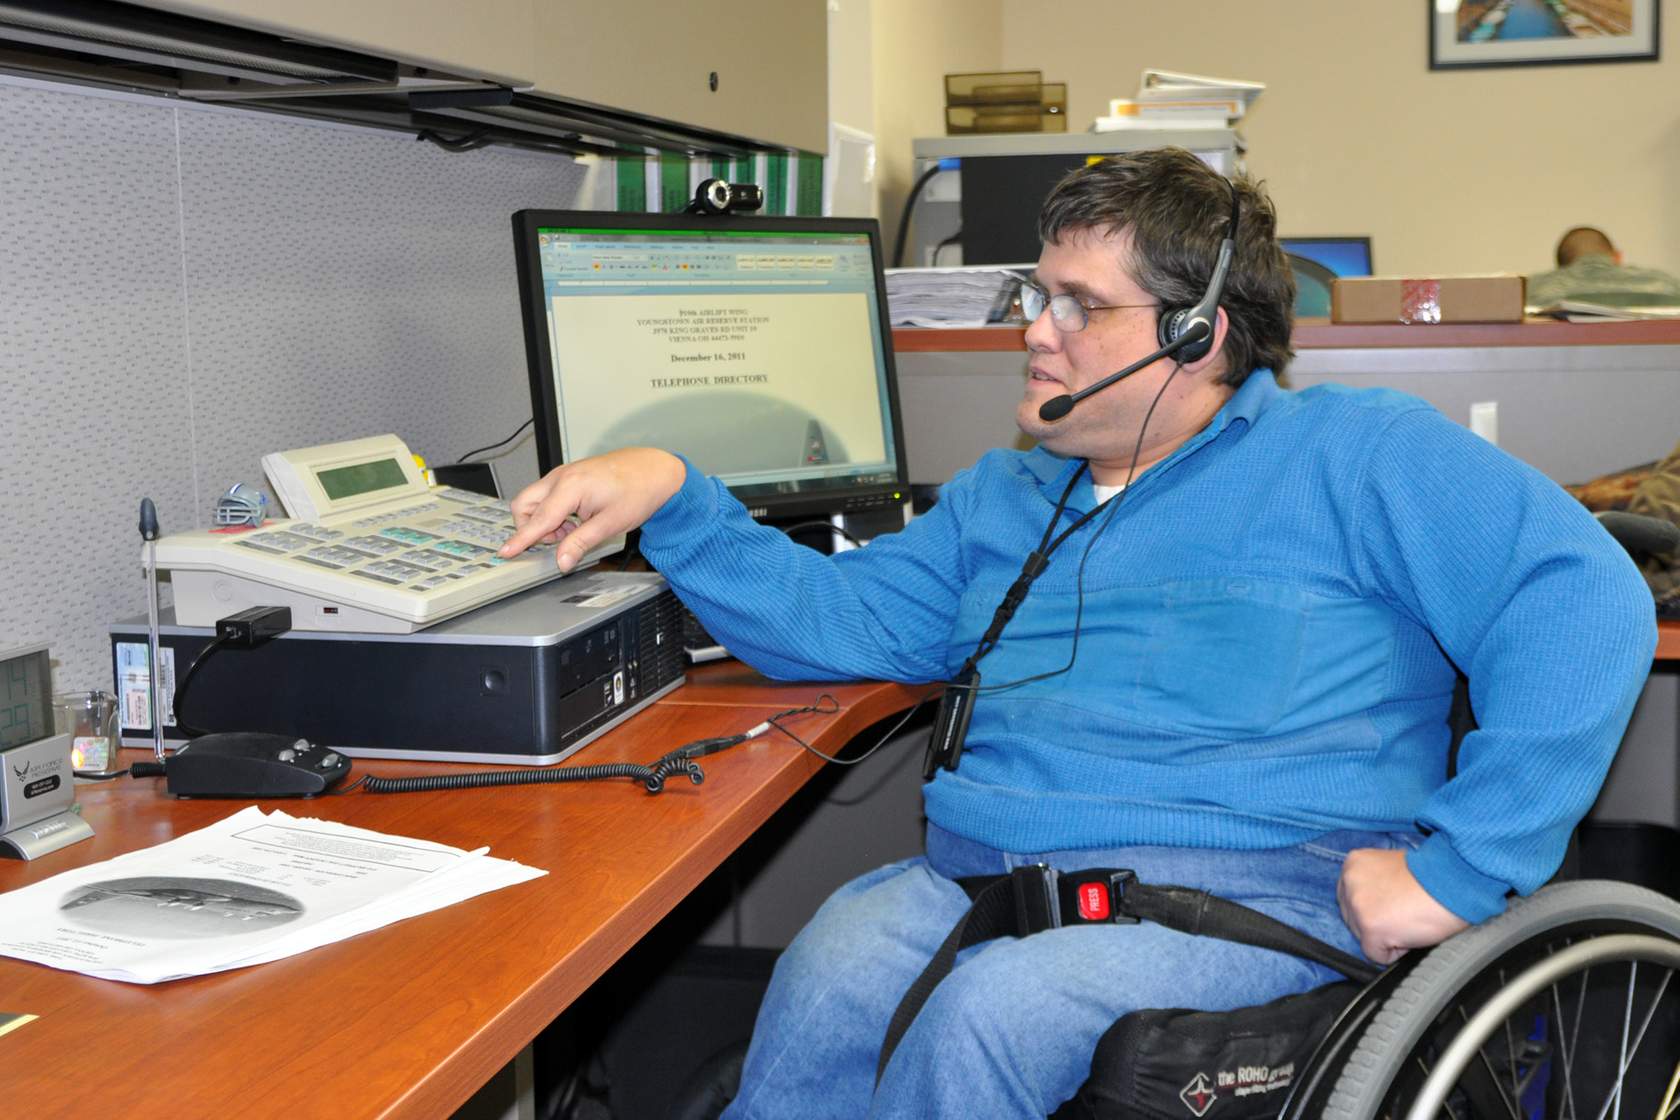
{"type": "Point", "coordinates": [1066, 312]}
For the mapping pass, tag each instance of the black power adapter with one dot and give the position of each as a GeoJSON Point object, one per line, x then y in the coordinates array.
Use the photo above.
{"type": "Point", "coordinates": [244, 763]}
{"type": "Point", "coordinates": [247, 629]}
{"type": "Point", "coordinates": [253, 626]}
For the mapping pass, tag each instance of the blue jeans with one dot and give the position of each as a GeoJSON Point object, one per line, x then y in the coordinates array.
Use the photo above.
{"type": "Point", "coordinates": [1010, 1032]}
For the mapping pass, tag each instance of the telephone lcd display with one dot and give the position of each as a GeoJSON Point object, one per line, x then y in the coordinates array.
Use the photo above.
{"type": "Point", "coordinates": [361, 478]}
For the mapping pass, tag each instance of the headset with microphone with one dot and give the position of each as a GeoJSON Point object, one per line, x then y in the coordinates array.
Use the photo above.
{"type": "Point", "coordinates": [1184, 331]}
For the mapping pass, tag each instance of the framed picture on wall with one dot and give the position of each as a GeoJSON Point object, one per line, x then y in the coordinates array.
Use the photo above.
{"type": "Point", "coordinates": [1470, 33]}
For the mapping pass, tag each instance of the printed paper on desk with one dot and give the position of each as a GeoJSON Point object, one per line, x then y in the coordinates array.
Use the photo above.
{"type": "Point", "coordinates": [252, 888]}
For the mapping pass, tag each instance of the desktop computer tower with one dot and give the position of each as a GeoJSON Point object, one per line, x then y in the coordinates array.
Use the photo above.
{"type": "Point", "coordinates": [987, 204]}
{"type": "Point", "coordinates": [526, 680]}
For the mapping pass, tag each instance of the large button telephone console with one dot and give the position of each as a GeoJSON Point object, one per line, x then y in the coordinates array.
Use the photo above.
{"type": "Point", "coordinates": [370, 547]}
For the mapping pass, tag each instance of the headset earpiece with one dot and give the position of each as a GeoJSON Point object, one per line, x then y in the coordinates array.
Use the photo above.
{"type": "Point", "coordinates": [1175, 321]}
{"type": "Point", "coordinates": [1171, 327]}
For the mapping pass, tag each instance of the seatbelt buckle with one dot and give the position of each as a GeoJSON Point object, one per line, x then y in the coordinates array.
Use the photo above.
{"type": "Point", "coordinates": [1037, 907]}
{"type": "Point", "coordinates": [1095, 897]}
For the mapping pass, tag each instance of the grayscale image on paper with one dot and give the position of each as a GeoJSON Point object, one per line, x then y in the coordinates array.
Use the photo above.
{"type": "Point", "coordinates": [174, 906]}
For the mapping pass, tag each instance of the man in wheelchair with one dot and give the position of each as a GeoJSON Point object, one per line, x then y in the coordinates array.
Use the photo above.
{"type": "Point", "coordinates": [1207, 631]}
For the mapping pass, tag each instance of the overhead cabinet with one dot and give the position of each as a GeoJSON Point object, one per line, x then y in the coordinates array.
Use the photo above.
{"type": "Point", "coordinates": [485, 38]}
{"type": "Point", "coordinates": [754, 73]}
{"type": "Point", "coordinates": [755, 68]}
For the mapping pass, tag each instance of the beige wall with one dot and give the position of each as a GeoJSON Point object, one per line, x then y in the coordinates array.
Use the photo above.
{"type": "Point", "coordinates": [916, 43]}
{"type": "Point", "coordinates": [851, 87]}
{"type": "Point", "coordinates": [1448, 171]}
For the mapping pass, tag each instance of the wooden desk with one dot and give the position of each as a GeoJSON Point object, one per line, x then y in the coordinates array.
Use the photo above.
{"type": "Point", "coordinates": [409, 1020]}
{"type": "Point", "coordinates": [1668, 640]}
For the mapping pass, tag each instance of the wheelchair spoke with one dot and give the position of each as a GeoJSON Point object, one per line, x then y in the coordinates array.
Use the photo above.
{"type": "Point", "coordinates": [1446, 1106]}
{"type": "Point", "coordinates": [1627, 1020]}
{"type": "Point", "coordinates": [1569, 1040]}
{"type": "Point", "coordinates": [1614, 1096]}
{"type": "Point", "coordinates": [1511, 1051]}
{"type": "Point", "coordinates": [1512, 1105]}
{"type": "Point", "coordinates": [1631, 1040]}
{"type": "Point", "coordinates": [1566, 1051]}
{"type": "Point", "coordinates": [1650, 1014]}
{"type": "Point", "coordinates": [1670, 1104]}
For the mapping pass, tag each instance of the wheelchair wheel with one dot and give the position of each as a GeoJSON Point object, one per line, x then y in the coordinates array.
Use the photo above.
{"type": "Point", "coordinates": [1564, 1006]}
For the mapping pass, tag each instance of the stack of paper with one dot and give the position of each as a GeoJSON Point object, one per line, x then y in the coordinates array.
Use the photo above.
{"type": "Point", "coordinates": [253, 888]}
{"type": "Point", "coordinates": [952, 297]}
{"type": "Point", "coordinates": [1169, 100]}
{"type": "Point", "coordinates": [1582, 311]}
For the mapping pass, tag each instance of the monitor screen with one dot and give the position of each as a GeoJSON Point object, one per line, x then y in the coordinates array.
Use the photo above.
{"type": "Point", "coordinates": [1344, 256]}
{"type": "Point", "coordinates": [757, 347]}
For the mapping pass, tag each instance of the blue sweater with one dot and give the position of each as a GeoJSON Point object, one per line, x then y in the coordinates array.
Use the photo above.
{"type": "Point", "coordinates": [1267, 633]}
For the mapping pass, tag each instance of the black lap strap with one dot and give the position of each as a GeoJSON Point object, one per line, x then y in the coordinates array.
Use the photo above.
{"type": "Point", "coordinates": [993, 914]}
{"type": "Point", "coordinates": [1035, 898]}
{"type": "Point", "coordinates": [1191, 911]}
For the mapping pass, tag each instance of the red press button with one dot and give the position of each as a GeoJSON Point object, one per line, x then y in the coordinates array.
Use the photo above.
{"type": "Point", "coordinates": [1093, 902]}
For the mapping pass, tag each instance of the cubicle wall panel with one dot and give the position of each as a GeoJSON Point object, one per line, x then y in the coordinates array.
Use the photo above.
{"type": "Point", "coordinates": [956, 407]}
{"type": "Point", "coordinates": [94, 400]}
{"type": "Point", "coordinates": [1644, 782]}
{"type": "Point", "coordinates": [184, 288]}
{"type": "Point", "coordinates": [1573, 412]}
{"type": "Point", "coordinates": [343, 282]}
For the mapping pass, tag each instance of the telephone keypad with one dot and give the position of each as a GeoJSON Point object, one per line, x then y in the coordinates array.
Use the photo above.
{"type": "Point", "coordinates": [463, 549]}
{"type": "Point", "coordinates": [275, 540]}
{"type": "Point", "coordinates": [430, 560]}
{"type": "Point", "coordinates": [378, 546]}
{"type": "Point", "coordinates": [334, 556]}
{"type": "Point", "coordinates": [408, 535]}
{"type": "Point", "coordinates": [493, 515]}
{"type": "Point", "coordinates": [390, 571]}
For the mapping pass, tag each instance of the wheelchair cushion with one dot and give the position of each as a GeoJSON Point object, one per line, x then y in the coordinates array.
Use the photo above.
{"type": "Point", "coordinates": [1174, 1064]}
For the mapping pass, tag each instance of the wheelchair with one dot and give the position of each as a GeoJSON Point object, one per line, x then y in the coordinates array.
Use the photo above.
{"type": "Point", "coordinates": [1563, 1006]}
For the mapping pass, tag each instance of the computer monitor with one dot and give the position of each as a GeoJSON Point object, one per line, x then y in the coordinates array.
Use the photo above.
{"type": "Point", "coordinates": [758, 347]}
{"type": "Point", "coordinates": [1344, 256]}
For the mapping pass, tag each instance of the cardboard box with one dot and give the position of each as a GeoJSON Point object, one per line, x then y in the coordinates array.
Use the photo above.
{"type": "Point", "coordinates": [1448, 299]}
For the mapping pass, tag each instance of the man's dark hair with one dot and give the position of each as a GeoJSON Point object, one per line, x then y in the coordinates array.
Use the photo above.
{"type": "Point", "coordinates": [1177, 210]}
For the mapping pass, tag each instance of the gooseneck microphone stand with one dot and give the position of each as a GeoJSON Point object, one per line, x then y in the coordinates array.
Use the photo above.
{"type": "Point", "coordinates": [154, 665]}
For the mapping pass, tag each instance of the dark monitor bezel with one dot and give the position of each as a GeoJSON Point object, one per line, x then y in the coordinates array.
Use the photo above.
{"type": "Point", "coordinates": [539, 361]}
{"type": "Point", "coordinates": [1352, 238]}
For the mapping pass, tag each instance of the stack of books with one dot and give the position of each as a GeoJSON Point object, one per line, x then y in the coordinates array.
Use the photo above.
{"type": "Point", "coordinates": [1166, 99]}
